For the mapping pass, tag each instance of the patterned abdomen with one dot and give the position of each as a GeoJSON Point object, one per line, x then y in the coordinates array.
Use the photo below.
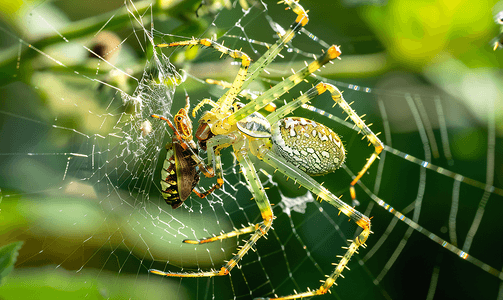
{"type": "Point", "coordinates": [308, 145]}
{"type": "Point", "coordinates": [178, 175]}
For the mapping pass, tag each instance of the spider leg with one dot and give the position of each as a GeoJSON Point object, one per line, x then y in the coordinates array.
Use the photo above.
{"type": "Point", "coordinates": [215, 159]}
{"type": "Point", "coordinates": [258, 193]}
{"type": "Point", "coordinates": [309, 183]}
{"type": "Point", "coordinates": [201, 104]}
{"type": "Point", "coordinates": [221, 83]}
{"type": "Point", "coordinates": [223, 236]}
{"type": "Point", "coordinates": [284, 86]}
{"type": "Point", "coordinates": [364, 129]}
{"type": "Point", "coordinates": [247, 94]}
{"type": "Point", "coordinates": [259, 229]}
{"type": "Point", "coordinates": [284, 110]}
{"type": "Point", "coordinates": [256, 68]}
{"type": "Point", "coordinates": [214, 145]}
{"type": "Point", "coordinates": [274, 50]}
{"type": "Point", "coordinates": [225, 101]}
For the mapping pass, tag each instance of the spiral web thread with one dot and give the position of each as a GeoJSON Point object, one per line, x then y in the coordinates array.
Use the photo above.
{"type": "Point", "coordinates": [82, 189]}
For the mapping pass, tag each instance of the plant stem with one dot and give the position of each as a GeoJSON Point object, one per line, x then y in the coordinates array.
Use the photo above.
{"type": "Point", "coordinates": [122, 17]}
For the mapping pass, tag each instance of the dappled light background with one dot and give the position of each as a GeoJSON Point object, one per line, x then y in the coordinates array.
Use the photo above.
{"type": "Point", "coordinates": [79, 171]}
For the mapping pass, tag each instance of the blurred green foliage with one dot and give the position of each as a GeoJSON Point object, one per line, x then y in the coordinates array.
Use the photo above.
{"type": "Point", "coordinates": [8, 257]}
{"type": "Point", "coordinates": [415, 33]}
{"type": "Point", "coordinates": [443, 43]}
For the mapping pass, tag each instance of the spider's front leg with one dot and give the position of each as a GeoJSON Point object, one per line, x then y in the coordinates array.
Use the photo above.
{"type": "Point", "coordinates": [225, 102]}
{"type": "Point", "coordinates": [216, 169]}
{"type": "Point", "coordinates": [284, 86]}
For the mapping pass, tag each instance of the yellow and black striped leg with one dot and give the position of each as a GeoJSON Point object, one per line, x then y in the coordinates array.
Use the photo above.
{"type": "Point", "coordinates": [364, 129]}
{"type": "Point", "coordinates": [284, 86]}
{"type": "Point", "coordinates": [312, 185]}
{"type": "Point", "coordinates": [273, 51]}
{"type": "Point", "coordinates": [201, 104]}
{"type": "Point", "coordinates": [224, 103]}
{"type": "Point", "coordinates": [223, 236]}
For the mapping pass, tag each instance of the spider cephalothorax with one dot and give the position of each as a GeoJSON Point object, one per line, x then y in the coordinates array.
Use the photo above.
{"type": "Point", "coordinates": [296, 147]}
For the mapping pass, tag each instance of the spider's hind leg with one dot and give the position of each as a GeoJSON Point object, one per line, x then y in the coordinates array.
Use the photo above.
{"type": "Point", "coordinates": [258, 193]}
{"type": "Point", "coordinates": [259, 230]}
{"type": "Point", "coordinates": [312, 185]}
{"type": "Point", "coordinates": [364, 129]}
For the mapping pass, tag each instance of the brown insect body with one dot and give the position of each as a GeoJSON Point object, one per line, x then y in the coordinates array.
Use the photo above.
{"type": "Point", "coordinates": [181, 168]}
{"type": "Point", "coordinates": [179, 175]}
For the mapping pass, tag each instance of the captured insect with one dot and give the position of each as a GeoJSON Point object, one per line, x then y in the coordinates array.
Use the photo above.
{"type": "Point", "coordinates": [181, 168]}
{"type": "Point", "coordinates": [296, 147]}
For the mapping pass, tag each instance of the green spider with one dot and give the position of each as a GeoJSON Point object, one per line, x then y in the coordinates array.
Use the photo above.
{"type": "Point", "coordinates": [297, 147]}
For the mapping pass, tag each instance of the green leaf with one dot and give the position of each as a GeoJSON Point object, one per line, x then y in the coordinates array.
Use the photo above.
{"type": "Point", "coordinates": [8, 257]}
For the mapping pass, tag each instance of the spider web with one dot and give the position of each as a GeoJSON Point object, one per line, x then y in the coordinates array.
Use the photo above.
{"type": "Point", "coordinates": [81, 166]}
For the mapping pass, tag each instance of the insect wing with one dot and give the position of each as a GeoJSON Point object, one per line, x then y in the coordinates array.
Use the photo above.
{"type": "Point", "coordinates": [185, 171]}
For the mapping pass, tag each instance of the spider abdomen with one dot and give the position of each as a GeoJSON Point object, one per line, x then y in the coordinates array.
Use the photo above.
{"type": "Point", "coordinates": [312, 147]}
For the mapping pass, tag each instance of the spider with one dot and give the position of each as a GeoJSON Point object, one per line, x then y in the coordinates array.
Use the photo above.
{"type": "Point", "coordinates": [180, 171]}
{"type": "Point", "coordinates": [297, 147]}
